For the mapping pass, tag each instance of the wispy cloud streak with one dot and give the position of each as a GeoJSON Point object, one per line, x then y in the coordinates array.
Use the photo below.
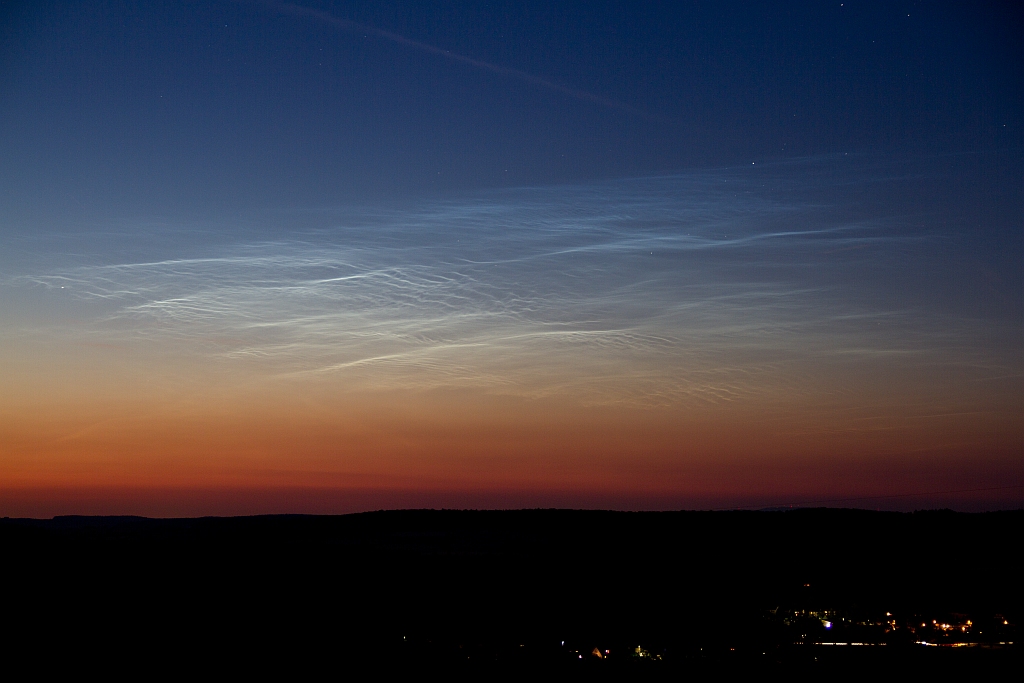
{"type": "Point", "coordinates": [649, 292]}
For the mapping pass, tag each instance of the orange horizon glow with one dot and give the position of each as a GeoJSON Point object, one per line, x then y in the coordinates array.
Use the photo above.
{"type": "Point", "coordinates": [465, 450]}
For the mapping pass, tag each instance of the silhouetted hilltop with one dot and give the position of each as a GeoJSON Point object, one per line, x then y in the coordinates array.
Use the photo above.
{"type": "Point", "coordinates": [485, 579]}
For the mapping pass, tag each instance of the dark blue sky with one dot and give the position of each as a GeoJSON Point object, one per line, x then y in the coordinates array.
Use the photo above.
{"type": "Point", "coordinates": [181, 107]}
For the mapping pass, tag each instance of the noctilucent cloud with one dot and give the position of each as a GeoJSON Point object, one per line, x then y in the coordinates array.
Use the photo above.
{"type": "Point", "coordinates": [328, 257]}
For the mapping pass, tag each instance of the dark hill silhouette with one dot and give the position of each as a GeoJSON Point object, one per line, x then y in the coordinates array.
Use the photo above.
{"type": "Point", "coordinates": [443, 585]}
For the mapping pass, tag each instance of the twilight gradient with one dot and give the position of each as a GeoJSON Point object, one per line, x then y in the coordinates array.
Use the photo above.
{"type": "Point", "coordinates": [735, 336]}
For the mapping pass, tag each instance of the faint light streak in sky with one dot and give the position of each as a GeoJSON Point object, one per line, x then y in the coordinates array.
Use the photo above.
{"type": "Point", "coordinates": [357, 27]}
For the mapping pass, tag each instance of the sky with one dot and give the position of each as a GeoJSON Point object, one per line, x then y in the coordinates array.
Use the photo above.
{"type": "Point", "coordinates": [323, 257]}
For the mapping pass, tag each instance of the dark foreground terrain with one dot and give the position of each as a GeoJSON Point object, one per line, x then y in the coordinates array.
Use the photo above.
{"type": "Point", "coordinates": [655, 594]}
